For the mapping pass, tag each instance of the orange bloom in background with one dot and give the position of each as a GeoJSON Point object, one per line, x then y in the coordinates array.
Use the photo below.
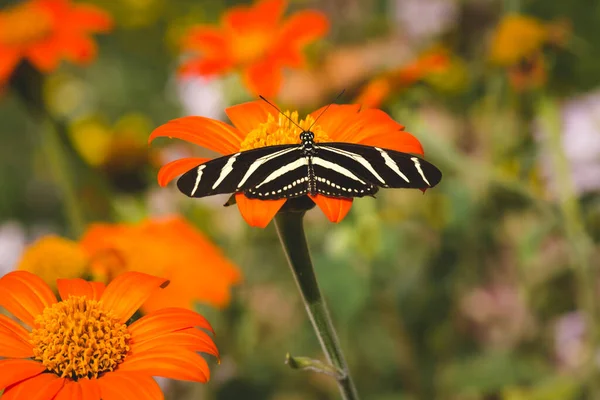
{"type": "Point", "coordinates": [379, 89]}
{"type": "Point", "coordinates": [256, 41]}
{"type": "Point", "coordinates": [44, 32]}
{"type": "Point", "coordinates": [168, 247]}
{"type": "Point", "coordinates": [256, 124]}
{"type": "Point", "coordinates": [518, 37]}
{"type": "Point", "coordinates": [107, 357]}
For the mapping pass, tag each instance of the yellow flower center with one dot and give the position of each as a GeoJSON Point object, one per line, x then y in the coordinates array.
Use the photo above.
{"type": "Point", "coordinates": [251, 46]}
{"type": "Point", "coordinates": [23, 24]}
{"type": "Point", "coordinates": [77, 338]}
{"type": "Point", "coordinates": [282, 131]}
{"type": "Point", "coordinates": [53, 257]}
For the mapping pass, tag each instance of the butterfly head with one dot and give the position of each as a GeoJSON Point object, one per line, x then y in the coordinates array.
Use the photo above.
{"type": "Point", "coordinates": [307, 137]}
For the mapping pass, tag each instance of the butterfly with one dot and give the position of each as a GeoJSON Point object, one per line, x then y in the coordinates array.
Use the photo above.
{"type": "Point", "coordinates": [333, 169]}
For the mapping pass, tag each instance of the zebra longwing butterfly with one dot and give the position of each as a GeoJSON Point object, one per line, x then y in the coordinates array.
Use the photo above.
{"type": "Point", "coordinates": [330, 169]}
{"type": "Point", "coordinates": [334, 169]}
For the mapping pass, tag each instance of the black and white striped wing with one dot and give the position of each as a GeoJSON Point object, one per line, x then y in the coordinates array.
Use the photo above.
{"type": "Point", "coordinates": [285, 180]}
{"type": "Point", "coordinates": [358, 170]}
{"type": "Point", "coordinates": [338, 177]}
{"type": "Point", "coordinates": [237, 172]}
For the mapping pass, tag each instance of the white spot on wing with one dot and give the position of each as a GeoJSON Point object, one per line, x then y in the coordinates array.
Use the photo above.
{"type": "Point", "coordinates": [391, 164]}
{"type": "Point", "coordinates": [419, 169]}
{"type": "Point", "coordinates": [198, 177]}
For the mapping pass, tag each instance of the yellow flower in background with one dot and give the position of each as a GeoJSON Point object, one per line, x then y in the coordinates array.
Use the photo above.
{"type": "Point", "coordinates": [518, 37]}
{"type": "Point", "coordinates": [119, 151]}
{"type": "Point", "coordinates": [168, 247]}
{"type": "Point", "coordinates": [52, 256]}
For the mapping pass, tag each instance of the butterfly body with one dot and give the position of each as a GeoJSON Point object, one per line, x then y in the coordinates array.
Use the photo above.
{"type": "Point", "coordinates": [334, 169]}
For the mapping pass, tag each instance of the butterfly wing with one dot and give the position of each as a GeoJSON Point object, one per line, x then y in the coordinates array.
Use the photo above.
{"type": "Point", "coordinates": [235, 172]}
{"type": "Point", "coordinates": [376, 167]}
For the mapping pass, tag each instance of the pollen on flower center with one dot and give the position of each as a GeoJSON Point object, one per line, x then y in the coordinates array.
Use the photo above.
{"type": "Point", "coordinates": [77, 338]}
{"type": "Point", "coordinates": [23, 24]}
{"type": "Point", "coordinates": [282, 131]}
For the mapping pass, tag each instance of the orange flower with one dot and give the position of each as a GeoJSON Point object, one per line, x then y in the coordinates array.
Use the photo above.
{"type": "Point", "coordinates": [378, 90]}
{"type": "Point", "coordinates": [256, 124]}
{"type": "Point", "coordinates": [255, 41]}
{"type": "Point", "coordinates": [107, 357]}
{"type": "Point", "coordinates": [170, 247]}
{"type": "Point", "coordinates": [45, 31]}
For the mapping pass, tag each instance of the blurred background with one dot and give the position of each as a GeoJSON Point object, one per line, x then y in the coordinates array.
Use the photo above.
{"type": "Point", "coordinates": [485, 287]}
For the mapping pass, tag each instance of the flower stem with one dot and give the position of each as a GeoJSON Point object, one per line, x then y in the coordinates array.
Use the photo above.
{"type": "Point", "coordinates": [27, 82]}
{"type": "Point", "coordinates": [579, 241]}
{"type": "Point", "coordinates": [291, 233]}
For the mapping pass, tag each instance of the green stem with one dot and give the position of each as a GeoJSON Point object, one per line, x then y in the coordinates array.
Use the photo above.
{"type": "Point", "coordinates": [291, 233]}
{"type": "Point", "coordinates": [28, 83]}
{"type": "Point", "coordinates": [579, 241]}
{"type": "Point", "coordinates": [59, 165]}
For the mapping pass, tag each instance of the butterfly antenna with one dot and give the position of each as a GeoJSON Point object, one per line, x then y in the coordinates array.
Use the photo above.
{"type": "Point", "coordinates": [326, 108]}
{"type": "Point", "coordinates": [280, 112]}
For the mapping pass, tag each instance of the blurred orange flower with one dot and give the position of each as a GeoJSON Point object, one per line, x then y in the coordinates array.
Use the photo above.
{"type": "Point", "coordinates": [170, 248]}
{"type": "Point", "coordinates": [45, 31]}
{"type": "Point", "coordinates": [373, 94]}
{"type": "Point", "coordinates": [256, 124]}
{"type": "Point", "coordinates": [518, 44]}
{"type": "Point", "coordinates": [256, 41]}
{"type": "Point", "coordinates": [117, 363]}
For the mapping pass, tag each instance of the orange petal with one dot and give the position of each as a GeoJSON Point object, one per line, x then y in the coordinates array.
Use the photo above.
{"type": "Point", "coordinates": [206, 66]}
{"type": "Point", "coordinates": [83, 389]}
{"type": "Point", "coordinates": [8, 325]}
{"type": "Point", "coordinates": [247, 116]}
{"type": "Point", "coordinates": [205, 132]}
{"type": "Point", "coordinates": [172, 170]}
{"type": "Point", "coordinates": [46, 55]}
{"type": "Point", "coordinates": [334, 209]}
{"type": "Point", "coordinates": [16, 370]}
{"type": "Point", "coordinates": [338, 119]}
{"type": "Point", "coordinates": [121, 385]}
{"type": "Point", "coordinates": [79, 287]}
{"type": "Point", "coordinates": [79, 49]}
{"type": "Point", "coordinates": [14, 339]}
{"type": "Point", "coordinates": [170, 363]}
{"type": "Point", "coordinates": [264, 15]}
{"type": "Point", "coordinates": [258, 213]}
{"type": "Point", "coordinates": [128, 291]}
{"type": "Point", "coordinates": [303, 27]}
{"type": "Point", "coordinates": [9, 58]}
{"type": "Point", "coordinates": [25, 295]}
{"type": "Point", "coordinates": [374, 93]}
{"type": "Point", "coordinates": [164, 321]}
{"type": "Point", "coordinates": [88, 18]}
{"type": "Point", "coordinates": [40, 387]}
{"type": "Point", "coordinates": [263, 78]}
{"type": "Point", "coordinates": [190, 339]}
{"type": "Point", "coordinates": [208, 40]}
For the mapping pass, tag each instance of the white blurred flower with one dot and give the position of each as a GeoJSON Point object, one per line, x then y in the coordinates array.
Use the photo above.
{"type": "Point", "coordinates": [424, 19]}
{"type": "Point", "coordinates": [202, 96]}
{"type": "Point", "coordinates": [569, 347]}
{"type": "Point", "coordinates": [581, 140]}
{"type": "Point", "coordinates": [13, 239]}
